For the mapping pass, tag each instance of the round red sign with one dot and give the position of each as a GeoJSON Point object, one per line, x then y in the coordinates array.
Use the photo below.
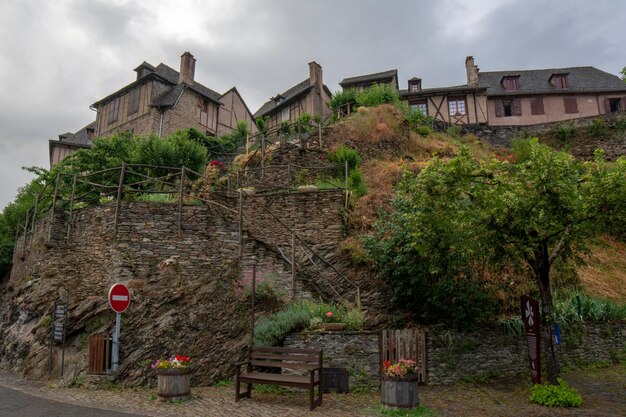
{"type": "Point", "coordinates": [119, 298]}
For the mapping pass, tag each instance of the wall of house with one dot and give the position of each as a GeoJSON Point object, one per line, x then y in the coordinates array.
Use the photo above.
{"type": "Point", "coordinates": [476, 110]}
{"type": "Point", "coordinates": [554, 110]}
{"type": "Point", "coordinates": [59, 151]}
{"type": "Point", "coordinates": [140, 123]}
{"type": "Point", "coordinates": [232, 111]}
{"type": "Point", "coordinates": [187, 114]}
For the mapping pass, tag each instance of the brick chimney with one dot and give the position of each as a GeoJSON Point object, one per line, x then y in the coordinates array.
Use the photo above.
{"type": "Point", "coordinates": [472, 72]}
{"type": "Point", "coordinates": [187, 69]}
{"type": "Point", "coordinates": [315, 75]}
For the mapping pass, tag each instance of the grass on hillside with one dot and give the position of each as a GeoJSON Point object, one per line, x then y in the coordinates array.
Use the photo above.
{"type": "Point", "coordinates": [605, 273]}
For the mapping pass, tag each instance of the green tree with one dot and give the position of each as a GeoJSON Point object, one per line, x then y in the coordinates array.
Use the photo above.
{"type": "Point", "coordinates": [460, 212]}
{"type": "Point", "coordinates": [623, 74]}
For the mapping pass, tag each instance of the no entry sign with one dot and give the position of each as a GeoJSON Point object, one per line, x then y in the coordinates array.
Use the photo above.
{"type": "Point", "coordinates": [119, 298]}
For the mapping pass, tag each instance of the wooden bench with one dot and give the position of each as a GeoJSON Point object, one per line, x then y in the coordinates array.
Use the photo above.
{"type": "Point", "coordinates": [261, 360]}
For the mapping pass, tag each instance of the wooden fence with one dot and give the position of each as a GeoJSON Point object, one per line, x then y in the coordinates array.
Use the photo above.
{"type": "Point", "coordinates": [406, 344]}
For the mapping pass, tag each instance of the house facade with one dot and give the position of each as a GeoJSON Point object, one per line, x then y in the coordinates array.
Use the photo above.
{"type": "Point", "coordinates": [309, 96]}
{"type": "Point", "coordinates": [161, 100]}
{"type": "Point", "coordinates": [363, 82]}
{"type": "Point", "coordinates": [520, 98]}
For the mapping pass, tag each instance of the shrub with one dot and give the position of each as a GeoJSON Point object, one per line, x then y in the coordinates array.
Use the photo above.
{"type": "Point", "coordinates": [272, 330]}
{"type": "Point", "coordinates": [354, 319]}
{"type": "Point", "coordinates": [454, 131]}
{"type": "Point", "coordinates": [265, 290]}
{"type": "Point", "coordinates": [341, 98]}
{"type": "Point", "coordinates": [556, 395]}
{"type": "Point", "coordinates": [424, 131]}
{"type": "Point", "coordinates": [343, 154]}
{"type": "Point", "coordinates": [597, 129]}
{"type": "Point", "coordinates": [378, 94]}
{"type": "Point", "coordinates": [356, 184]}
{"type": "Point", "coordinates": [564, 132]}
{"type": "Point", "coordinates": [521, 149]}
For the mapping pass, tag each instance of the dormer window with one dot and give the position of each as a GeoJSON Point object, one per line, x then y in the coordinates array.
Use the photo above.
{"type": "Point", "coordinates": [559, 81]}
{"type": "Point", "coordinates": [510, 83]}
{"type": "Point", "coordinates": [415, 85]}
{"type": "Point", "coordinates": [278, 99]}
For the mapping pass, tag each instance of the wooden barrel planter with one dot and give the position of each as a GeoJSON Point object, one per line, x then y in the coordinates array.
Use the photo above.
{"type": "Point", "coordinates": [174, 384]}
{"type": "Point", "coordinates": [399, 393]}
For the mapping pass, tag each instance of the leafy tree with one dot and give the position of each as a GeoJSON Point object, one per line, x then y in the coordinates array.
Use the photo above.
{"type": "Point", "coordinates": [457, 213]}
{"type": "Point", "coordinates": [378, 94]}
{"type": "Point", "coordinates": [623, 74]}
{"type": "Point", "coordinates": [342, 98]}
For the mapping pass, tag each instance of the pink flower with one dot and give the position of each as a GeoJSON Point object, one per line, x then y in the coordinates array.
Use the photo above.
{"type": "Point", "coordinates": [329, 314]}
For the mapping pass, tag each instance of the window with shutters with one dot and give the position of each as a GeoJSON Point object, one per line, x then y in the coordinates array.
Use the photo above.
{"type": "Point", "coordinates": [114, 109]}
{"type": "Point", "coordinates": [559, 81]}
{"type": "Point", "coordinates": [457, 106]}
{"type": "Point", "coordinates": [536, 106]}
{"type": "Point", "coordinates": [510, 83]}
{"type": "Point", "coordinates": [571, 106]}
{"type": "Point", "coordinates": [508, 107]}
{"type": "Point", "coordinates": [133, 101]}
{"type": "Point", "coordinates": [415, 86]}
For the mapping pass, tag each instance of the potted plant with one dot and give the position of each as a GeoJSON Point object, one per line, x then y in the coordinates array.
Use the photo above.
{"type": "Point", "coordinates": [174, 378]}
{"type": "Point", "coordinates": [398, 387]}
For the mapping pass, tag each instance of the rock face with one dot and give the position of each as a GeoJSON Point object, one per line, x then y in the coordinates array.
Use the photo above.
{"type": "Point", "coordinates": [185, 306]}
{"type": "Point", "coordinates": [183, 283]}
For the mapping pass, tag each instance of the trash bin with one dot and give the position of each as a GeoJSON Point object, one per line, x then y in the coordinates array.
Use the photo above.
{"type": "Point", "coordinates": [335, 380]}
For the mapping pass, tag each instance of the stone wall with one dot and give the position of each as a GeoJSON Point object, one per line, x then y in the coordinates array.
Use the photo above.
{"type": "Point", "coordinates": [455, 356]}
{"type": "Point", "coordinates": [355, 351]}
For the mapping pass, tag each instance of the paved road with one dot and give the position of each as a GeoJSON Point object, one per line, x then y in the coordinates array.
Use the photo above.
{"type": "Point", "coordinates": [16, 404]}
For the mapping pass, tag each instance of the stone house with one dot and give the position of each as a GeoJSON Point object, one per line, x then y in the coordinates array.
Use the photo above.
{"type": "Point", "coordinates": [520, 97]}
{"type": "Point", "coordinates": [161, 100]}
{"type": "Point", "coordinates": [362, 82]}
{"type": "Point", "coordinates": [309, 96]}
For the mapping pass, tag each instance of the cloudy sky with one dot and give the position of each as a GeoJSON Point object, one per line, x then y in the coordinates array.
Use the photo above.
{"type": "Point", "coordinates": [59, 56]}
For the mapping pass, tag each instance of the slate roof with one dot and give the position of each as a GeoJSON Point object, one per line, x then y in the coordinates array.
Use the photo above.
{"type": "Point", "coordinates": [430, 91]}
{"type": "Point", "coordinates": [579, 80]}
{"type": "Point", "coordinates": [81, 137]}
{"type": "Point", "coordinates": [370, 78]}
{"type": "Point", "coordinates": [297, 90]}
{"type": "Point", "coordinates": [288, 96]}
{"type": "Point", "coordinates": [167, 75]}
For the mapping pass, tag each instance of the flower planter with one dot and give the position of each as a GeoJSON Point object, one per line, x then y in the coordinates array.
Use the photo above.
{"type": "Point", "coordinates": [307, 189]}
{"type": "Point", "coordinates": [399, 393]}
{"type": "Point", "coordinates": [332, 326]}
{"type": "Point", "coordinates": [174, 384]}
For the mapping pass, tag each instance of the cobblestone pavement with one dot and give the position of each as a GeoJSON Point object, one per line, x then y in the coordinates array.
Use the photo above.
{"type": "Point", "coordinates": [604, 391]}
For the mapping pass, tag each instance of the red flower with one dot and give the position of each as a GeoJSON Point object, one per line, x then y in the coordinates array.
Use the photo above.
{"type": "Point", "coordinates": [177, 357]}
{"type": "Point", "coordinates": [386, 364]}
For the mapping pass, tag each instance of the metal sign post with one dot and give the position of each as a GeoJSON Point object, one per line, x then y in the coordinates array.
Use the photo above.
{"type": "Point", "coordinates": [119, 300]}
{"type": "Point", "coordinates": [57, 333]}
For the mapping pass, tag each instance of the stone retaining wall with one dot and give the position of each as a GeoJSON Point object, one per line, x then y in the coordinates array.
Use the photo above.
{"type": "Point", "coordinates": [455, 356]}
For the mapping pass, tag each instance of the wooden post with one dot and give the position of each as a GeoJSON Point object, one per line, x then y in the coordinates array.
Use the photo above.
{"type": "Point", "coordinates": [25, 234]}
{"type": "Point", "coordinates": [346, 181]}
{"type": "Point", "coordinates": [252, 302]}
{"type": "Point", "coordinates": [247, 143]}
{"type": "Point", "coordinates": [119, 195]}
{"type": "Point", "coordinates": [262, 156]}
{"type": "Point", "coordinates": [54, 202]}
{"type": "Point", "coordinates": [240, 223]}
{"type": "Point", "coordinates": [32, 229]}
{"type": "Point", "coordinates": [293, 265]}
{"type": "Point", "coordinates": [319, 132]}
{"type": "Point", "coordinates": [237, 186]}
{"type": "Point", "coordinates": [181, 189]}
{"type": "Point", "coordinates": [69, 222]}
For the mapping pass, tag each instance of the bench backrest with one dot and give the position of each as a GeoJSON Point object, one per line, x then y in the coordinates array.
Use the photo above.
{"type": "Point", "coordinates": [281, 357]}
